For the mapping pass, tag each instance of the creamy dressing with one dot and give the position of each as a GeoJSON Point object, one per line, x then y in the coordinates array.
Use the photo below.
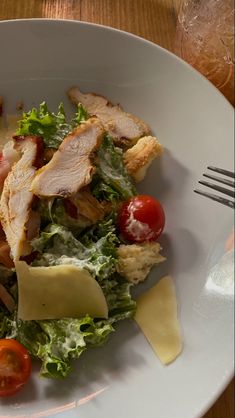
{"type": "Point", "coordinates": [138, 229]}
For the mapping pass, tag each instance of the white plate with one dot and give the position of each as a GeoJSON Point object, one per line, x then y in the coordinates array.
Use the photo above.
{"type": "Point", "coordinates": [40, 59]}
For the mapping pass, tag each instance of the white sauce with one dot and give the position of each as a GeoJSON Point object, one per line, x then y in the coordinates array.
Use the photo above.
{"type": "Point", "coordinates": [138, 229]}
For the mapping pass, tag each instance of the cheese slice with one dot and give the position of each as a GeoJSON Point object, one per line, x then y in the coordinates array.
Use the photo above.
{"type": "Point", "coordinates": [63, 291]}
{"type": "Point", "coordinates": [156, 315]}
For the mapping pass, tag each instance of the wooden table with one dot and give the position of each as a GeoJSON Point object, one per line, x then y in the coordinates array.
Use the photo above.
{"type": "Point", "coordinates": [152, 19]}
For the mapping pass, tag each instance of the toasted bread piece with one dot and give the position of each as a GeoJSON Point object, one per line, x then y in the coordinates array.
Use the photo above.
{"type": "Point", "coordinates": [139, 157]}
{"type": "Point", "coordinates": [136, 260]}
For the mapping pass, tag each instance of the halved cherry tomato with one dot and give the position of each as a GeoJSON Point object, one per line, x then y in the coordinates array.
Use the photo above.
{"type": "Point", "coordinates": [141, 219]}
{"type": "Point", "coordinates": [15, 366]}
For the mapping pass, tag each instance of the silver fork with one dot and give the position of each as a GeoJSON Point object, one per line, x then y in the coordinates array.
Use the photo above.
{"type": "Point", "coordinates": [224, 190]}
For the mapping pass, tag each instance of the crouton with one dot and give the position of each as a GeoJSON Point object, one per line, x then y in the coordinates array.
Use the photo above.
{"type": "Point", "coordinates": [136, 260]}
{"type": "Point", "coordinates": [138, 158]}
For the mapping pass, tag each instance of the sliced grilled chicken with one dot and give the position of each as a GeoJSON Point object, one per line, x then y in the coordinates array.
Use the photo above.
{"type": "Point", "coordinates": [8, 156]}
{"type": "Point", "coordinates": [125, 128]}
{"type": "Point", "coordinates": [7, 299]}
{"type": "Point", "coordinates": [71, 167]}
{"type": "Point", "coordinates": [88, 206]}
{"type": "Point", "coordinates": [48, 154]}
{"type": "Point", "coordinates": [10, 153]}
{"type": "Point", "coordinates": [8, 127]}
{"type": "Point", "coordinates": [16, 199]}
{"type": "Point", "coordinates": [32, 226]}
{"type": "Point", "coordinates": [139, 157]}
{"type": "Point", "coordinates": [4, 170]}
{"type": "Point", "coordinates": [5, 258]}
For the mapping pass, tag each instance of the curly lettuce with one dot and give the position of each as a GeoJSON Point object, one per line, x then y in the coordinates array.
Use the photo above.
{"type": "Point", "coordinates": [52, 127]}
{"type": "Point", "coordinates": [58, 245]}
{"type": "Point", "coordinates": [111, 182]}
{"type": "Point", "coordinates": [57, 342]}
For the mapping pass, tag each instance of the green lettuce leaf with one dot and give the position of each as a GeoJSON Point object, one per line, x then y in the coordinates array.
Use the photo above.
{"type": "Point", "coordinates": [111, 182]}
{"type": "Point", "coordinates": [58, 245]}
{"type": "Point", "coordinates": [80, 116]}
{"type": "Point", "coordinates": [99, 230]}
{"type": "Point", "coordinates": [6, 323]}
{"type": "Point", "coordinates": [53, 211]}
{"type": "Point", "coordinates": [57, 342]}
{"type": "Point", "coordinates": [53, 127]}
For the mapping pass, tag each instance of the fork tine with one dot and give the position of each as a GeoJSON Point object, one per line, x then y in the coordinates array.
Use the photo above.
{"type": "Point", "coordinates": [230, 193]}
{"type": "Point", "coordinates": [219, 199]}
{"type": "Point", "coordinates": [222, 171]}
{"type": "Point", "coordinates": [220, 180]}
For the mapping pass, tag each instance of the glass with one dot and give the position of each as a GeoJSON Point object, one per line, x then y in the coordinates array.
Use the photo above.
{"type": "Point", "coordinates": [205, 39]}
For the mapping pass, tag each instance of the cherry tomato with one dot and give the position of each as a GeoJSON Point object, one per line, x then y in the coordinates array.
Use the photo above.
{"type": "Point", "coordinates": [15, 366]}
{"type": "Point", "coordinates": [141, 219]}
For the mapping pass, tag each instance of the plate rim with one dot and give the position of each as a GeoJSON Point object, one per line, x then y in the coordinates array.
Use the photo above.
{"type": "Point", "coordinates": [100, 26]}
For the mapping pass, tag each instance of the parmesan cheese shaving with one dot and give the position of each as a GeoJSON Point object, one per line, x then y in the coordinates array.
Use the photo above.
{"type": "Point", "coordinates": [64, 291]}
{"type": "Point", "coordinates": [157, 317]}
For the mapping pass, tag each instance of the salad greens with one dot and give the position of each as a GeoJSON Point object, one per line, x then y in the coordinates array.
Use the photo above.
{"type": "Point", "coordinates": [56, 342]}
{"type": "Point", "coordinates": [65, 240]}
{"type": "Point", "coordinates": [53, 127]}
{"type": "Point", "coordinates": [54, 211]}
{"type": "Point", "coordinates": [58, 245]}
{"type": "Point", "coordinates": [111, 181]}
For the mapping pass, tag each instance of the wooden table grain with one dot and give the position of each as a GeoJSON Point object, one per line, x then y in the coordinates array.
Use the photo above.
{"type": "Point", "coordinates": [152, 19]}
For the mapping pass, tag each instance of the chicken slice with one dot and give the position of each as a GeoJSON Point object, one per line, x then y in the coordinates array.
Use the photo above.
{"type": "Point", "coordinates": [8, 156]}
{"type": "Point", "coordinates": [125, 128]}
{"type": "Point", "coordinates": [138, 158]}
{"type": "Point", "coordinates": [7, 299]}
{"type": "Point", "coordinates": [4, 170]}
{"type": "Point", "coordinates": [88, 206]}
{"type": "Point", "coordinates": [8, 127]}
{"type": "Point", "coordinates": [16, 198]}
{"type": "Point", "coordinates": [5, 258]}
{"type": "Point", "coordinates": [70, 168]}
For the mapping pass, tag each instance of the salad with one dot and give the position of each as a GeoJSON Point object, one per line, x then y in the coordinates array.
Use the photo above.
{"type": "Point", "coordinates": [75, 235]}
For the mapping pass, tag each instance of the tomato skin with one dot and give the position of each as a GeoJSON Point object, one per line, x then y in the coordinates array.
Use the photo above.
{"type": "Point", "coordinates": [141, 219]}
{"type": "Point", "coordinates": [15, 366]}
